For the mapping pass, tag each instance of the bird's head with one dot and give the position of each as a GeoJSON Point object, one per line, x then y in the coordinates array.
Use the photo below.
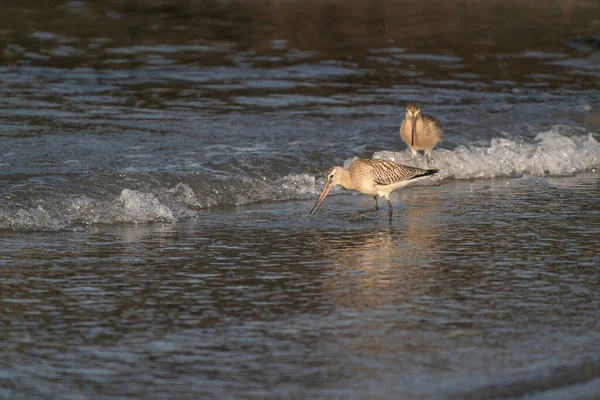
{"type": "Point", "coordinates": [334, 177]}
{"type": "Point", "coordinates": [413, 113]}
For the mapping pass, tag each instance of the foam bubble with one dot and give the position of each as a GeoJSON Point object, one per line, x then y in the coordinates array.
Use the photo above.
{"type": "Point", "coordinates": [86, 210]}
{"type": "Point", "coordinates": [140, 207]}
{"type": "Point", "coordinates": [296, 186]}
{"type": "Point", "coordinates": [31, 219]}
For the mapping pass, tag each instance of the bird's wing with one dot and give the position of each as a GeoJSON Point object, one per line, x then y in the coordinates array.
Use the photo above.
{"type": "Point", "coordinates": [386, 172]}
{"type": "Point", "coordinates": [428, 119]}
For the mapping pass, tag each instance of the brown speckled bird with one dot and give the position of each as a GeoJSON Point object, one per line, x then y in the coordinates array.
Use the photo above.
{"type": "Point", "coordinates": [373, 177]}
{"type": "Point", "coordinates": [419, 131]}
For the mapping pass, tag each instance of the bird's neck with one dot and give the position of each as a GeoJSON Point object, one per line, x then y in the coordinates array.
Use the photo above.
{"type": "Point", "coordinates": [345, 180]}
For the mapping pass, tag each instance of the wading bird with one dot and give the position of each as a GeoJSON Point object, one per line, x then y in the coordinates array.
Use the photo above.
{"type": "Point", "coordinates": [420, 131]}
{"type": "Point", "coordinates": [373, 177]}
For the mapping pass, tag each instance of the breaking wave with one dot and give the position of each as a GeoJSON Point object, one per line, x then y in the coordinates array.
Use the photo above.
{"type": "Point", "coordinates": [57, 211]}
{"type": "Point", "coordinates": [76, 203]}
{"type": "Point", "coordinates": [557, 152]}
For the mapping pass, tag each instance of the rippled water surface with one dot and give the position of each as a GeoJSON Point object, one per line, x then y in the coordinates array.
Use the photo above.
{"type": "Point", "coordinates": [464, 295]}
{"type": "Point", "coordinates": [158, 161]}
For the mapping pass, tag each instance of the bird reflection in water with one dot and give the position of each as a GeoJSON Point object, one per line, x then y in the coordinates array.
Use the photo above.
{"type": "Point", "coordinates": [378, 264]}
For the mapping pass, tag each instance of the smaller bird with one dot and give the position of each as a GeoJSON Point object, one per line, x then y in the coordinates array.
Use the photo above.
{"type": "Point", "coordinates": [373, 177]}
{"type": "Point", "coordinates": [420, 131]}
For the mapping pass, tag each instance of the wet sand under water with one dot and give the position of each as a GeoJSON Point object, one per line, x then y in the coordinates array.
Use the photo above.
{"type": "Point", "coordinates": [480, 289]}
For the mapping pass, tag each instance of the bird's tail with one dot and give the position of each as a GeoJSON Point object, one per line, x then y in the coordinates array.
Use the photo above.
{"type": "Point", "coordinates": [425, 173]}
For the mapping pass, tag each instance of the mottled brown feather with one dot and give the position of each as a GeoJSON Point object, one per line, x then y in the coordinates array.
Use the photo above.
{"type": "Point", "coordinates": [384, 172]}
{"type": "Point", "coordinates": [429, 120]}
{"type": "Point", "coordinates": [429, 131]}
{"type": "Point", "coordinates": [435, 122]}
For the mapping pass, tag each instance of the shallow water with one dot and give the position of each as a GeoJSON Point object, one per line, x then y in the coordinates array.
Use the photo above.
{"type": "Point", "coordinates": [158, 161]}
{"type": "Point", "coordinates": [153, 113]}
{"type": "Point", "coordinates": [463, 295]}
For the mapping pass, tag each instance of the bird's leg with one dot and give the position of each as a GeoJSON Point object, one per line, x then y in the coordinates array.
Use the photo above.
{"type": "Point", "coordinates": [427, 157]}
{"type": "Point", "coordinates": [390, 210]}
{"type": "Point", "coordinates": [415, 153]}
{"type": "Point", "coordinates": [356, 215]}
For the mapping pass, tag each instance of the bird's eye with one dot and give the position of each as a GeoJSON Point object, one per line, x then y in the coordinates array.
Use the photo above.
{"type": "Point", "coordinates": [330, 176]}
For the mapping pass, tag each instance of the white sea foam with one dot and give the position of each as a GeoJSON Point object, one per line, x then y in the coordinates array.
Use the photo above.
{"type": "Point", "coordinates": [297, 185]}
{"type": "Point", "coordinates": [140, 207]}
{"type": "Point", "coordinates": [555, 152]}
{"type": "Point", "coordinates": [560, 151]}
{"type": "Point", "coordinates": [32, 219]}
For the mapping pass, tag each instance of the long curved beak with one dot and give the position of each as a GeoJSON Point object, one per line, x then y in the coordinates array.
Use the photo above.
{"type": "Point", "coordinates": [414, 131]}
{"type": "Point", "coordinates": [324, 193]}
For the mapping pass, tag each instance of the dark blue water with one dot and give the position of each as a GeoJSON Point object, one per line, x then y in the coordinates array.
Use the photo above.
{"type": "Point", "coordinates": [158, 162]}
